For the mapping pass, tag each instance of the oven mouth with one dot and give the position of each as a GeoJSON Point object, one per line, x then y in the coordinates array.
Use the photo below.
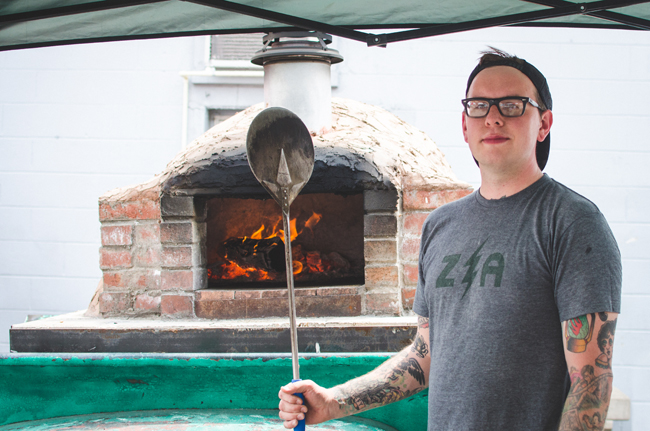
{"type": "Point", "coordinates": [245, 244]}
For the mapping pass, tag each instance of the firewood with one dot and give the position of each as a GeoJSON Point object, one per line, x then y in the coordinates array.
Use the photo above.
{"type": "Point", "coordinates": [267, 254]}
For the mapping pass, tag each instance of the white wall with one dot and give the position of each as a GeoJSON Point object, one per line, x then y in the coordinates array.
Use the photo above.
{"type": "Point", "coordinates": [77, 121]}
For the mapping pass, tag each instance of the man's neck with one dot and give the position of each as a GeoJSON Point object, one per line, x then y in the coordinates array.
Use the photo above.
{"type": "Point", "coordinates": [498, 186]}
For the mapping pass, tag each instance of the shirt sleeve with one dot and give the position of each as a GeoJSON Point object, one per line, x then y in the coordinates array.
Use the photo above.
{"type": "Point", "coordinates": [588, 270]}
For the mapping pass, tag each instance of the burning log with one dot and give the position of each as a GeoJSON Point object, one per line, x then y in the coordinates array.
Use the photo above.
{"type": "Point", "coordinates": [316, 262]}
{"type": "Point", "coordinates": [266, 254]}
{"type": "Point", "coordinates": [260, 257]}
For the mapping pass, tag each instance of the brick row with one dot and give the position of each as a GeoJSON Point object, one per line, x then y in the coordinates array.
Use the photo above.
{"type": "Point", "coordinates": [137, 210]}
{"type": "Point", "coordinates": [306, 306]}
{"type": "Point", "coordinates": [414, 199]}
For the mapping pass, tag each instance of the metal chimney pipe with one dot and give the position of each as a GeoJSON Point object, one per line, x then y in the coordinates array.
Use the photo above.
{"type": "Point", "coordinates": [297, 75]}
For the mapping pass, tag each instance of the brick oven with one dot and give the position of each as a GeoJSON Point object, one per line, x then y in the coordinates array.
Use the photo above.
{"type": "Point", "coordinates": [375, 180]}
{"type": "Point", "coordinates": [189, 254]}
{"type": "Point", "coordinates": [202, 239]}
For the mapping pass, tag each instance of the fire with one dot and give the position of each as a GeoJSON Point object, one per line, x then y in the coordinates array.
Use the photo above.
{"type": "Point", "coordinates": [276, 232]}
{"type": "Point", "coordinates": [258, 233]}
{"type": "Point", "coordinates": [309, 262]}
{"type": "Point", "coordinates": [313, 221]}
{"type": "Point", "coordinates": [232, 270]}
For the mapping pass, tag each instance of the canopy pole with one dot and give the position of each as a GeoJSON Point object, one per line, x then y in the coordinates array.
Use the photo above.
{"type": "Point", "coordinates": [284, 19]}
{"type": "Point", "coordinates": [620, 18]}
{"type": "Point", "coordinates": [554, 12]}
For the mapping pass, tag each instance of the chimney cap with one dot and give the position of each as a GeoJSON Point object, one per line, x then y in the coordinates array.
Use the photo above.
{"type": "Point", "coordinates": [298, 47]}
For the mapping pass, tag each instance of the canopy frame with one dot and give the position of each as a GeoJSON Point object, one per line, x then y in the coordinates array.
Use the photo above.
{"type": "Point", "coordinates": [556, 9]}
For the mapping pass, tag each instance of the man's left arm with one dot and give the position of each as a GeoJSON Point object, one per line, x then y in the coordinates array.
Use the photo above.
{"type": "Point", "coordinates": [588, 345]}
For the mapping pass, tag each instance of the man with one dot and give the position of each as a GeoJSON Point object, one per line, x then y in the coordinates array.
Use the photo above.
{"type": "Point", "coordinates": [514, 279]}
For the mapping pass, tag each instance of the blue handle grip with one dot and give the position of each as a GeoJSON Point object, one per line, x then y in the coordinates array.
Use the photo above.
{"type": "Point", "coordinates": [301, 424]}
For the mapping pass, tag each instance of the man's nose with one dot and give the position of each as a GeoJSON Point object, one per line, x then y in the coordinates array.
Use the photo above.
{"type": "Point", "coordinates": [494, 116]}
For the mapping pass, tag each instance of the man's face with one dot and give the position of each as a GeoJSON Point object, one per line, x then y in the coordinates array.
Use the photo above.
{"type": "Point", "coordinates": [505, 143]}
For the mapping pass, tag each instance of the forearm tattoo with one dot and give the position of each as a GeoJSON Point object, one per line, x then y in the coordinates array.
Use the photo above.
{"type": "Point", "coordinates": [412, 366]}
{"type": "Point", "coordinates": [420, 347]}
{"type": "Point", "coordinates": [379, 395]}
{"type": "Point", "coordinates": [381, 388]}
{"type": "Point", "coordinates": [390, 382]}
{"type": "Point", "coordinates": [585, 408]}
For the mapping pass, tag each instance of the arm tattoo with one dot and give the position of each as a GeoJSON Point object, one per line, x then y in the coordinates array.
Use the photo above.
{"type": "Point", "coordinates": [375, 394]}
{"type": "Point", "coordinates": [383, 386]}
{"type": "Point", "coordinates": [423, 322]}
{"type": "Point", "coordinates": [412, 366]}
{"type": "Point", "coordinates": [381, 394]}
{"type": "Point", "coordinates": [420, 347]}
{"type": "Point", "coordinates": [586, 405]}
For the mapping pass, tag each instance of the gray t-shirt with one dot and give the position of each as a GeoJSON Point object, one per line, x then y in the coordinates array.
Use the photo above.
{"type": "Point", "coordinates": [497, 278]}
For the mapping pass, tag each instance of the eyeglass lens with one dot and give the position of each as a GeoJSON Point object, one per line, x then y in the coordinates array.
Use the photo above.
{"type": "Point", "coordinates": [507, 107]}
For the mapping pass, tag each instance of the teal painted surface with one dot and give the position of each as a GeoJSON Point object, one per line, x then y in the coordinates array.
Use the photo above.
{"type": "Point", "coordinates": [41, 386]}
{"type": "Point", "coordinates": [187, 420]}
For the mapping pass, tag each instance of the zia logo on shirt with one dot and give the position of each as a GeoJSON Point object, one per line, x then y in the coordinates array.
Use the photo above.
{"type": "Point", "coordinates": [492, 265]}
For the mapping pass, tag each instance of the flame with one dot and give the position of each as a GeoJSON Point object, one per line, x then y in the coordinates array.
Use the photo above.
{"type": "Point", "coordinates": [309, 262]}
{"type": "Point", "coordinates": [313, 221]}
{"type": "Point", "coordinates": [258, 233]}
{"type": "Point", "coordinates": [276, 232]}
{"type": "Point", "coordinates": [231, 270]}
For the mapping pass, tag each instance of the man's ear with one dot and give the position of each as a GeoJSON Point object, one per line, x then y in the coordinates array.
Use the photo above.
{"type": "Point", "coordinates": [545, 125]}
{"type": "Point", "coordinates": [464, 122]}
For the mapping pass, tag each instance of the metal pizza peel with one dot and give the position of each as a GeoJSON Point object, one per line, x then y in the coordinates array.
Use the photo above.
{"type": "Point", "coordinates": [281, 155]}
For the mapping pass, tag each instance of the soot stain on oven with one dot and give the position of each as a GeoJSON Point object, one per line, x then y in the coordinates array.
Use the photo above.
{"type": "Point", "coordinates": [245, 245]}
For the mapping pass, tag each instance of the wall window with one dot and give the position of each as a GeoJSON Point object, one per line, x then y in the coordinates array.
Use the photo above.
{"type": "Point", "coordinates": [235, 46]}
{"type": "Point", "coordinates": [216, 116]}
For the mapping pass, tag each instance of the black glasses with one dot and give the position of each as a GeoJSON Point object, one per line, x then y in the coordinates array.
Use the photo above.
{"type": "Point", "coordinates": [512, 106]}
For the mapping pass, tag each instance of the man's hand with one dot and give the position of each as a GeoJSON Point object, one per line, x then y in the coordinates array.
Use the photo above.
{"type": "Point", "coordinates": [403, 375]}
{"type": "Point", "coordinates": [319, 404]}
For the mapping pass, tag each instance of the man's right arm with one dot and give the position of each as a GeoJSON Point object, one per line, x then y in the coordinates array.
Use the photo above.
{"type": "Point", "coordinates": [403, 375]}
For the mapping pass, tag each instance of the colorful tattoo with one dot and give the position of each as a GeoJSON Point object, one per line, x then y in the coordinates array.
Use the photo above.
{"type": "Point", "coordinates": [578, 333]}
{"type": "Point", "coordinates": [585, 408]}
{"type": "Point", "coordinates": [593, 423]}
{"type": "Point", "coordinates": [423, 322]}
{"type": "Point", "coordinates": [605, 344]}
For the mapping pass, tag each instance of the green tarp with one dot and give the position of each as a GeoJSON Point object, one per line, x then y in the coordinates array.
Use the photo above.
{"type": "Point", "coordinates": [33, 23]}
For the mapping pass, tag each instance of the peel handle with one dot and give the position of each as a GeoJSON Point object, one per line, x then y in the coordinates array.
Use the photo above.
{"type": "Point", "coordinates": [301, 424]}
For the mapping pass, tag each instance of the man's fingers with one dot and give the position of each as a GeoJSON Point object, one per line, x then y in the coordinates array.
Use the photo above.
{"type": "Point", "coordinates": [290, 399]}
{"type": "Point", "coordinates": [288, 395]}
{"type": "Point", "coordinates": [290, 407]}
{"type": "Point", "coordinates": [290, 424]}
{"type": "Point", "coordinates": [300, 386]}
{"type": "Point", "coordinates": [293, 408]}
{"type": "Point", "coordinates": [291, 416]}
{"type": "Point", "coordinates": [291, 419]}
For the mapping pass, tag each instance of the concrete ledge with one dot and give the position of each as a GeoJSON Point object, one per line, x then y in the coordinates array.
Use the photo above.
{"type": "Point", "coordinates": [75, 333]}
